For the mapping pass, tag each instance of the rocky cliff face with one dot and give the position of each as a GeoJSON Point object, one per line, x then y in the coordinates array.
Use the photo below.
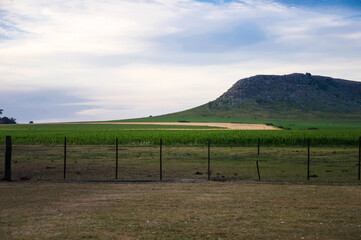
{"type": "Point", "coordinates": [301, 92]}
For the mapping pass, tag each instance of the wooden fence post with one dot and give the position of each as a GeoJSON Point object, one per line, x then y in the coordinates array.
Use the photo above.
{"type": "Point", "coordinates": [259, 175]}
{"type": "Point", "coordinates": [209, 160]}
{"type": "Point", "coordinates": [64, 157]}
{"type": "Point", "coordinates": [8, 152]}
{"type": "Point", "coordinates": [160, 161]}
{"type": "Point", "coordinates": [116, 158]}
{"type": "Point", "coordinates": [308, 158]}
{"type": "Point", "coordinates": [359, 158]}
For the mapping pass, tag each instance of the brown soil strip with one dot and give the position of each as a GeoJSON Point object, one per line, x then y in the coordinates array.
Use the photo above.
{"type": "Point", "coordinates": [231, 126]}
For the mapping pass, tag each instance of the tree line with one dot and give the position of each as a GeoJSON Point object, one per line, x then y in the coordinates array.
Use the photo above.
{"type": "Point", "coordinates": [6, 120]}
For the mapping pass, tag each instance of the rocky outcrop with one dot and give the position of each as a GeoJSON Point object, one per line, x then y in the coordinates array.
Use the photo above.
{"type": "Point", "coordinates": [303, 92]}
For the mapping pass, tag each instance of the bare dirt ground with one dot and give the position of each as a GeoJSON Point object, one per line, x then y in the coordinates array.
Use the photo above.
{"type": "Point", "coordinates": [230, 126]}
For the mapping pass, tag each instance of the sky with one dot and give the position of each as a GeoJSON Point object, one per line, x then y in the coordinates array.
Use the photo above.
{"type": "Point", "coordinates": [88, 60]}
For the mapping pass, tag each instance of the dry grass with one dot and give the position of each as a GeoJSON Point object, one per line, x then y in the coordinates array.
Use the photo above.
{"type": "Point", "coordinates": [201, 210]}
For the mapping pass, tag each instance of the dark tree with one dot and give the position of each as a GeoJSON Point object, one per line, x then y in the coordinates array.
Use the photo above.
{"type": "Point", "coordinates": [6, 120]}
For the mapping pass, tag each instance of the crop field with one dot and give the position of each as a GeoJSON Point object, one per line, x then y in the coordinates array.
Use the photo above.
{"type": "Point", "coordinates": [103, 134]}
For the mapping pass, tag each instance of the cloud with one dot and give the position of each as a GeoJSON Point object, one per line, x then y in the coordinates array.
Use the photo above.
{"type": "Point", "coordinates": [39, 105]}
{"type": "Point", "coordinates": [119, 59]}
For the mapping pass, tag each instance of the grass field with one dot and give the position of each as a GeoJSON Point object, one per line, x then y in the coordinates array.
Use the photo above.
{"type": "Point", "coordinates": [100, 134]}
{"type": "Point", "coordinates": [201, 210]}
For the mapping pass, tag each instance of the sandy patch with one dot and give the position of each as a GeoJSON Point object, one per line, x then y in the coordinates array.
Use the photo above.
{"type": "Point", "coordinates": [231, 126]}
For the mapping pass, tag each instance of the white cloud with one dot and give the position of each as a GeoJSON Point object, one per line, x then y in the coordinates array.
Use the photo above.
{"type": "Point", "coordinates": [143, 54]}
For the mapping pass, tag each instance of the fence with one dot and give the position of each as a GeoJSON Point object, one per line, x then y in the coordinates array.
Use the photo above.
{"type": "Point", "coordinates": [158, 162]}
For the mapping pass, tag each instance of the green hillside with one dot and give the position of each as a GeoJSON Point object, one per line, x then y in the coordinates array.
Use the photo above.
{"type": "Point", "coordinates": [295, 101]}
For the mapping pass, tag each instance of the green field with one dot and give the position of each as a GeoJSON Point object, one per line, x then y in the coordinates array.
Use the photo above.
{"type": "Point", "coordinates": [147, 134]}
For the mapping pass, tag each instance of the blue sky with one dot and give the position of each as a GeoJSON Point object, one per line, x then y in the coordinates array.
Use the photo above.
{"type": "Point", "coordinates": [80, 60]}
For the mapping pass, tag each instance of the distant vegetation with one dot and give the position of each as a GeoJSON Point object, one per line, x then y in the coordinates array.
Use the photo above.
{"type": "Point", "coordinates": [6, 120]}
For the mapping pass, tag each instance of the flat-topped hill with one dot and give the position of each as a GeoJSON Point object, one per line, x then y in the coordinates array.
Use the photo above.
{"type": "Point", "coordinates": [288, 97]}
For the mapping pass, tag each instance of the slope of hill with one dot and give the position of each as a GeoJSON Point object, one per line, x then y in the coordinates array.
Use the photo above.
{"type": "Point", "coordinates": [300, 97]}
{"type": "Point", "coordinates": [292, 97]}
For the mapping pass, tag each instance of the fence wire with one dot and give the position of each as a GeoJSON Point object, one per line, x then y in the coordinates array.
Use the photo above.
{"type": "Point", "coordinates": [142, 162]}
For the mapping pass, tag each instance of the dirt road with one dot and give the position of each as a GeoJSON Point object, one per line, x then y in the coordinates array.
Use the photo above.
{"type": "Point", "coordinates": [231, 126]}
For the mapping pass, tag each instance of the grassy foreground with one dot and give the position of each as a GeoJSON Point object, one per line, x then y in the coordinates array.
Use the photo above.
{"type": "Point", "coordinates": [202, 210]}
